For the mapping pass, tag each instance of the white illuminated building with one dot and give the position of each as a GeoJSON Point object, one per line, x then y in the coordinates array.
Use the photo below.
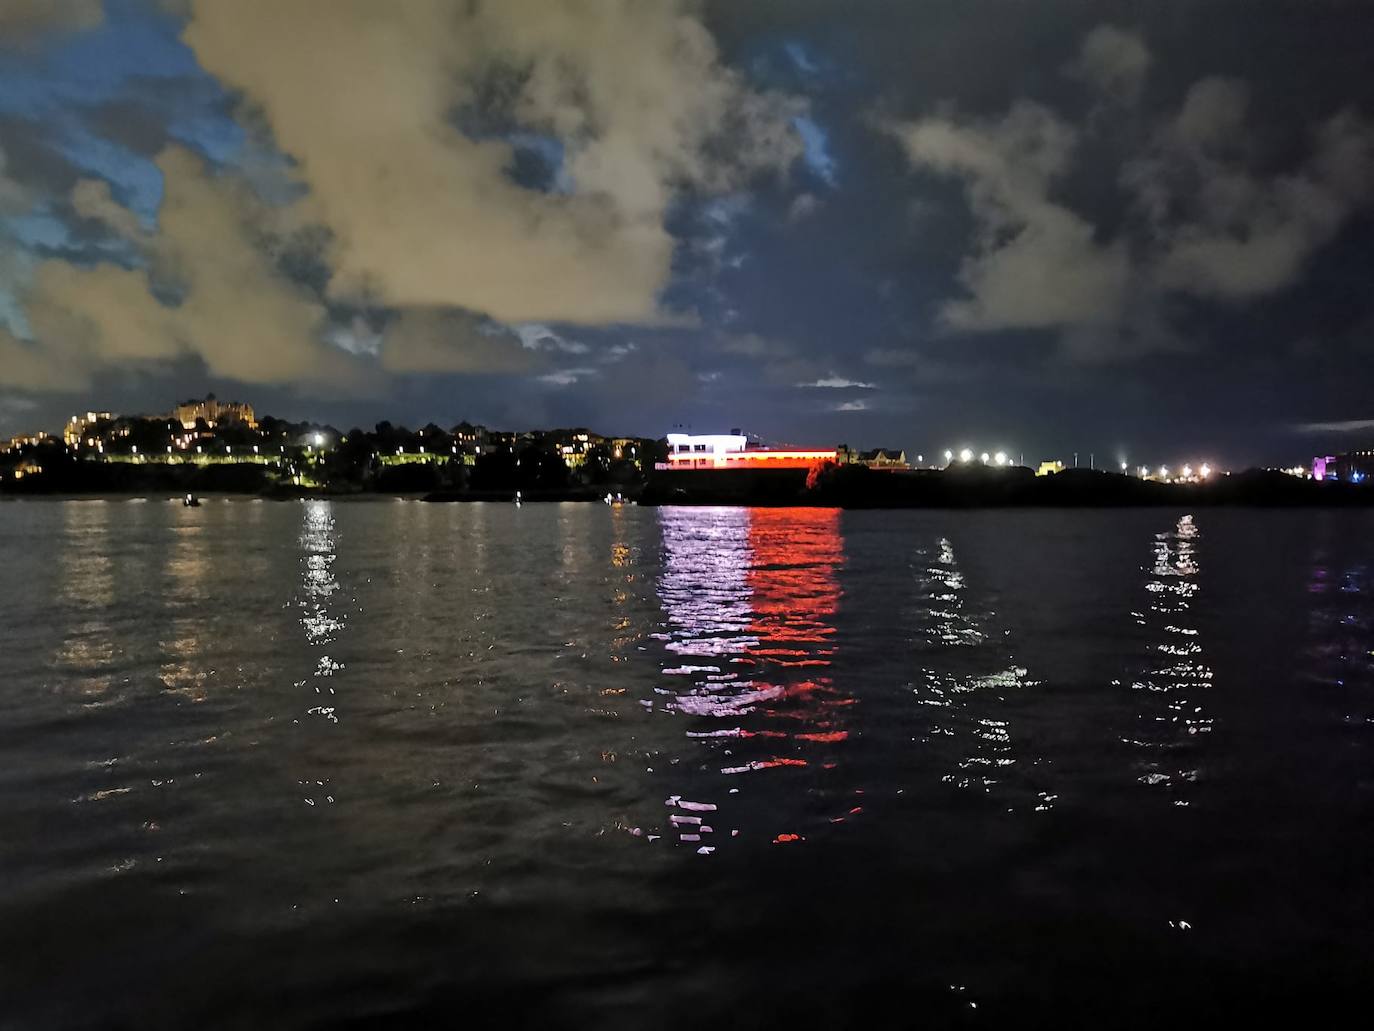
{"type": "Point", "coordinates": [733, 451]}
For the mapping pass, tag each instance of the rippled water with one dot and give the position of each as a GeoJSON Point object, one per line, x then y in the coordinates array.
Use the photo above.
{"type": "Point", "coordinates": [391, 763]}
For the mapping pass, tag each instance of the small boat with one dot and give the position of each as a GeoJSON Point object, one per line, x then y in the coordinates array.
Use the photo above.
{"type": "Point", "coordinates": [191, 501]}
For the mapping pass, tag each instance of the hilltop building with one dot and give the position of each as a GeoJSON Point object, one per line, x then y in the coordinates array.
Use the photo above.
{"type": "Point", "coordinates": [27, 440]}
{"type": "Point", "coordinates": [214, 412]}
{"type": "Point", "coordinates": [1050, 468]}
{"type": "Point", "coordinates": [77, 425]}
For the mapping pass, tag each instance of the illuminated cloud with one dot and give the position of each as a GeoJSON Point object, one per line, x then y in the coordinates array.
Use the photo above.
{"type": "Point", "coordinates": [423, 214]}
{"type": "Point", "coordinates": [206, 290]}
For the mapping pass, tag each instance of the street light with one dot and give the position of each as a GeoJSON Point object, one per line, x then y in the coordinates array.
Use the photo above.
{"type": "Point", "coordinates": [949, 456]}
{"type": "Point", "coordinates": [1001, 458]}
{"type": "Point", "coordinates": [319, 440]}
{"type": "Point", "coordinates": [966, 455]}
{"type": "Point", "coordinates": [983, 458]}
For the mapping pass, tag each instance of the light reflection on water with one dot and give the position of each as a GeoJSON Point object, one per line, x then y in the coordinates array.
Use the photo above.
{"type": "Point", "coordinates": [322, 621]}
{"type": "Point", "coordinates": [749, 598]}
{"type": "Point", "coordinates": [1171, 688]}
{"type": "Point", "coordinates": [966, 675]}
{"type": "Point", "coordinates": [87, 654]}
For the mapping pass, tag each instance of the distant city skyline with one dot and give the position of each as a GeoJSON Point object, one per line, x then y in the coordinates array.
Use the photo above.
{"type": "Point", "coordinates": [1047, 228]}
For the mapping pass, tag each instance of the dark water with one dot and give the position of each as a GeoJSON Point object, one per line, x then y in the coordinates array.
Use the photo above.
{"type": "Point", "coordinates": [394, 764]}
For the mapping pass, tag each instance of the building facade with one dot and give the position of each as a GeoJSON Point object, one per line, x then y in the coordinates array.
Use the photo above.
{"type": "Point", "coordinates": [27, 440]}
{"type": "Point", "coordinates": [77, 425]}
{"type": "Point", "coordinates": [1351, 467]}
{"type": "Point", "coordinates": [688, 451]}
{"type": "Point", "coordinates": [888, 459]}
{"type": "Point", "coordinates": [214, 412]}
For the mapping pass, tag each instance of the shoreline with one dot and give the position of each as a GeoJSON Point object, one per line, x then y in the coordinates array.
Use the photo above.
{"type": "Point", "coordinates": [848, 487]}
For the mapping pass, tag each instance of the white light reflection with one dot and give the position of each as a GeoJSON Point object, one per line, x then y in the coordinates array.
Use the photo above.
{"type": "Point", "coordinates": [968, 708]}
{"type": "Point", "coordinates": [87, 654]}
{"type": "Point", "coordinates": [1171, 716]}
{"type": "Point", "coordinates": [320, 620]}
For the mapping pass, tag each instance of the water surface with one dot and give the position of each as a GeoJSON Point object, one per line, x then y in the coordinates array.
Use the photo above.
{"type": "Point", "coordinates": [310, 764]}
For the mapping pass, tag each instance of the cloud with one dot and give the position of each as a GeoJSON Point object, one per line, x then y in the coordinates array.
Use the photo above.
{"type": "Point", "coordinates": [850, 406]}
{"type": "Point", "coordinates": [1113, 61]}
{"type": "Point", "coordinates": [14, 199]}
{"type": "Point", "coordinates": [833, 382]}
{"type": "Point", "coordinates": [423, 214]}
{"type": "Point", "coordinates": [804, 206]}
{"type": "Point", "coordinates": [91, 199]}
{"type": "Point", "coordinates": [566, 377]}
{"type": "Point", "coordinates": [751, 345]}
{"type": "Point", "coordinates": [1202, 220]}
{"type": "Point", "coordinates": [435, 340]}
{"type": "Point", "coordinates": [206, 289]}
{"type": "Point", "coordinates": [1223, 231]}
{"type": "Point", "coordinates": [1034, 263]}
{"type": "Point", "coordinates": [23, 20]}
{"type": "Point", "coordinates": [537, 337]}
{"type": "Point", "coordinates": [1345, 426]}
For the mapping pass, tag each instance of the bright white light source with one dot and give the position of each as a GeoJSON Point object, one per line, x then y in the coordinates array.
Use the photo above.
{"type": "Point", "coordinates": [1206, 470]}
{"type": "Point", "coordinates": [966, 455]}
{"type": "Point", "coordinates": [319, 440]}
{"type": "Point", "coordinates": [983, 458]}
{"type": "Point", "coordinates": [1001, 458]}
{"type": "Point", "coordinates": [949, 456]}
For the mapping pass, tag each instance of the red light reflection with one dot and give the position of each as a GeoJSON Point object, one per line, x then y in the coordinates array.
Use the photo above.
{"type": "Point", "coordinates": [750, 597]}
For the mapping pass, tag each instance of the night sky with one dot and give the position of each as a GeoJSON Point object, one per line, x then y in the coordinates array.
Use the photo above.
{"type": "Point", "coordinates": [1142, 231]}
